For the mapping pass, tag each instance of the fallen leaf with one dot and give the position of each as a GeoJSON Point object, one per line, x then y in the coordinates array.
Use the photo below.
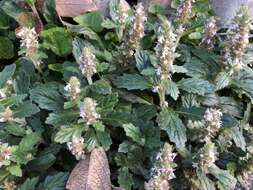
{"type": "Point", "coordinates": [72, 8]}
{"type": "Point", "coordinates": [92, 173]}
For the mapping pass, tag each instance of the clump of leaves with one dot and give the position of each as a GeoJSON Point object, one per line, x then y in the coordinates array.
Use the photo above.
{"type": "Point", "coordinates": [168, 100]}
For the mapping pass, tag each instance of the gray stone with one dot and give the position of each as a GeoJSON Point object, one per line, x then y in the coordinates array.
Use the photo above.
{"type": "Point", "coordinates": [227, 9]}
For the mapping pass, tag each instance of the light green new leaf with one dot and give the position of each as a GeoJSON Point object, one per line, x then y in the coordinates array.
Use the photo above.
{"type": "Point", "coordinates": [58, 40]}
{"type": "Point", "coordinates": [132, 82]}
{"type": "Point", "coordinates": [15, 170]}
{"type": "Point", "coordinates": [169, 121]}
{"type": "Point", "coordinates": [223, 79]}
{"type": "Point", "coordinates": [6, 74]}
{"type": "Point", "coordinates": [196, 86]}
{"type": "Point", "coordinates": [92, 20]}
{"type": "Point", "coordinates": [125, 179]}
{"type": "Point", "coordinates": [134, 133]}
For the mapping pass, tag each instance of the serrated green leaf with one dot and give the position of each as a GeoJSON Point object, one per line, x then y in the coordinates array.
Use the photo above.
{"type": "Point", "coordinates": [101, 87]}
{"type": "Point", "coordinates": [41, 163]}
{"type": "Point", "coordinates": [134, 133]}
{"type": "Point", "coordinates": [238, 138]}
{"type": "Point", "coordinates": [49, 11]}
{"type": "Point", "coordinates": [92, 20]}
{"type": "Point", "coordinates": [27, 109]}
{"type": "Point", "coordinates": [205, 182]}
{"type": "Point", "coordinates": [196, 86]}
{"type": "Point", "coordinates": [223, 79]}
{"type": "Point", "coordinates": [107, 103]}
{"type": "Point", "coordinates": [104, 139]}
{"type": "Point", "coordinates": [54, 182]}
{"type": "Point", "coordinates": [58, 40]}
{"type": "Point", "coordinates": [29, 184]}
{"type": "Point", "coordinates": [125, 179]}
{"type": "Point", "coordinates": [171, 89]}
{"type": "Point", "coordinates": [15, 130]}
{"type": "Point", "coordinates": [142, 60]}
{"type": "Point", "coordinates": [108, 24]}
{"type": "Point", "coordinates": [132, 82]}
{"type": "Point", "coordinates": [245, 82]}
{"type": "Point", "coordinates": [6, 74]}
{"type": "Point", "coordinates": [47, 96]}
{"type": "Point", "coordinates": [169, 121]}
{"type": "Point", "coordinates": [13, 100]}
{"type": "Point", "coordinates": [65, 134]}
{"type": "Point", "coordinates": [15, 170]}
{"type": "Point", "coordinates": [225, 179]}
{"type": "Point", "coordinates": [62, 118]}
{"type": "Point", "coordinates": [26, 147]}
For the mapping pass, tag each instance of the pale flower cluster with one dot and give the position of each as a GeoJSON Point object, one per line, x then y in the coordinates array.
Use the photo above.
{"type": "Point", "coordinates": [164, 171]}
{"type": "Point", "coordinates": [88, 111]}
{"type": "Point", "coordinates": [165, 50]}
{"type": "Point", "coordinates": [6, 115]}
{"type": "Point", "coordinates": [30, 44]}
{"type": "Point", "coordinates": [210, 32]}
{"type": "Point", "coordinates": [73, 87]}
{"type": "Point", "coordinates": [87, 64]}
{"type": "Point", "coordinates": [213, 121]}
{"type": "Point", "coordinates": [5, 153]}
{"type": "Point", "coordinates": [76, 147]}
{"type": "Point", "coordinates": [239, 39]}
{"type": "Point", "coordinates": [121, 17]}
{"type": "Point", "coordinates": [136, 33]}
{"type": "Point", "coordinates": [184, 11]}
{"type": "Point", "coordinates": [207, 155]}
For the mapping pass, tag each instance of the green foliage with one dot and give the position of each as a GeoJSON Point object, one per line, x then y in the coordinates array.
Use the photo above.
{"type": "Point", "coordinates": [6, 48]}
{"type": "Point", "coordinates": [171, 91]}
{"type": "Point", "coordinates": [58, 40]}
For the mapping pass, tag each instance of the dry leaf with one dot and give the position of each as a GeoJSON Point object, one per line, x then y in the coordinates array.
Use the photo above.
{"type": "Point", "coordinates": [72, 8]}
{"type": "Point", "coordinates": [92, 173]}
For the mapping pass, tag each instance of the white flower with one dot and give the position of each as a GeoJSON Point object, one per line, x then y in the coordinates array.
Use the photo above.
{"type": "Point", "coordinates": [6, 115]}
{"type": "Point", "coordinates": [87, 63]}
{"type": "Point", "coordinates": [73, 87]}
{"type": "Point", "coordinates": [88, 111]}
{"type": "Point", "coordinates": [76, 146]}
{"type": "Point", "coordinates": [213, 117]}
{"type": "Point", "coordinates": [5, 153]}
{"type": "Point", "coordinates": [29, 42]}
